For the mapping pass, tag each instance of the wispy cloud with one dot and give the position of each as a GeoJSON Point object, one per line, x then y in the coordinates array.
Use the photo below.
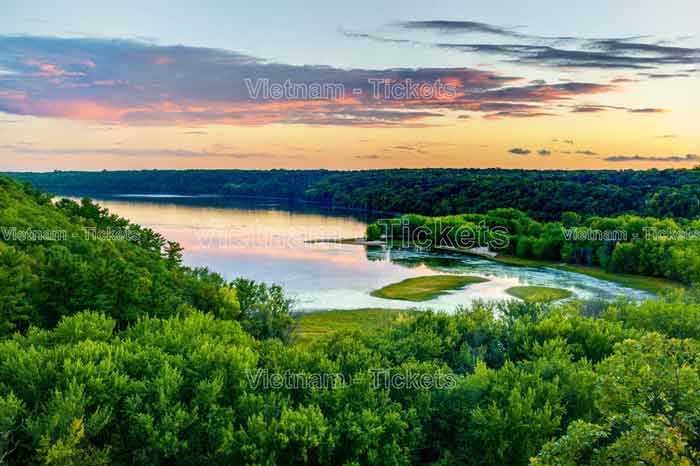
{"type": "Point", "coordinates": [647, 110]}
{"type": "Point", "coordinates": [372, 37]}
{"type": "Point", "coordinates": [545, 92]}
{"type": "Point", "coordinates": [668, 159]}
{"type": "Point", "coordinates": [605, 108]}
{"type": "Point", "coordinates": [589, 109]}
{"type": "Point", "coordinates": [502, 115]}
{"type": "Point", "coordinates": [664, 75]}
{"type": "Point", "coordinates": [419, 149]}
{"type": "Point", "coordinates": [226, 152]}
{"type": "Point", "coordinates": [460, 27]}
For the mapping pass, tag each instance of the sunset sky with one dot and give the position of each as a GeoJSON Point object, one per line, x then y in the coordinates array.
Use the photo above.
{"type": "Point", "coordinates": [167, 84]}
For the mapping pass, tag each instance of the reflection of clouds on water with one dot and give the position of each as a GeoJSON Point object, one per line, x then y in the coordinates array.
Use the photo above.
{"type": "Point", "coordinates": [266, 242]}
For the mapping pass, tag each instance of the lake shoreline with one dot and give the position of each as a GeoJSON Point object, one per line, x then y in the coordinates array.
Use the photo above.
{"type": "Point", "coordinates": [654, 285]}
{"type": "Point", "coordinates": [152, 195]}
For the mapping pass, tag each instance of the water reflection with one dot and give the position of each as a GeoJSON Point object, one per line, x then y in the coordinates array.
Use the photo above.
{"type": "Point", "coordinates": [268, 241]}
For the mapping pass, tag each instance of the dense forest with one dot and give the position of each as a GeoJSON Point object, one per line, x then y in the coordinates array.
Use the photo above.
{"type": "Point", "coordinates": [115, 353]}
{"type": "Point", "coordinates": [544, 195]}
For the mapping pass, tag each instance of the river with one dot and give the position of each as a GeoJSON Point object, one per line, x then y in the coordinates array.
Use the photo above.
{"type": "Point", "coordinates": [268, 241]}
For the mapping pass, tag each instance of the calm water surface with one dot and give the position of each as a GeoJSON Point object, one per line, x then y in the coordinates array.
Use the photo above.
{"type": "Point", "coordinates": [267, 241]}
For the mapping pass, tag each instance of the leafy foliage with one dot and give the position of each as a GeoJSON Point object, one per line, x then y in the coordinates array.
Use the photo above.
{"type": "Point", "coordinates": [60, 258]}
{"type": "Point", "coordinates": [114, 353]}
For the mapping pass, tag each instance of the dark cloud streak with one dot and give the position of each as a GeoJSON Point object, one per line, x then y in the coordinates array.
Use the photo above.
{"type": "Point", "coordinates": [520, 151]}
{"type": "Point", "coordinates": [639, 158]}
{"type": "Point", "coordinates": [581, 52]}
{"type": "Point", "coordinates": [459, 27]}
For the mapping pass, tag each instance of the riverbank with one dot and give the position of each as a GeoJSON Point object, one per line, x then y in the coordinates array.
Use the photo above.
{"type": "Point", "coordinates": [655, 285]}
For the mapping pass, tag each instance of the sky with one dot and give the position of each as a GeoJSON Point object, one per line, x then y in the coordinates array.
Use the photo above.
{"type": "Point", "coordinates": [349, 85]}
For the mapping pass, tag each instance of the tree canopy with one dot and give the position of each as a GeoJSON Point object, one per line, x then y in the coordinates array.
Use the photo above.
{"type": "Point", "coordinates": [112, 352]}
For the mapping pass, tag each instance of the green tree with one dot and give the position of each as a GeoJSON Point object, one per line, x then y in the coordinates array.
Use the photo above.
{"type": "Point", "coordinates": [647, 397]}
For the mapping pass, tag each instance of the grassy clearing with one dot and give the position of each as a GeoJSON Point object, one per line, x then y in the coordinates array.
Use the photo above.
{"type": "Point", "coordinates": [538, 294]}
{"type": "Point", "coordinates": [317, 324]}
{"type": "Point", "coordinates": [425, 288]}
{"type": "Point", "coordinates": [520, 262]}
{"type": "Point", "coordinates": [654, 285]}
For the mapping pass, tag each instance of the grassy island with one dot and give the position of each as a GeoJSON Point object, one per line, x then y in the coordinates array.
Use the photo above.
{"type": "Point", "coordinates": [425, 288]}
{"type": "Point", "coordinates": [538, 294]}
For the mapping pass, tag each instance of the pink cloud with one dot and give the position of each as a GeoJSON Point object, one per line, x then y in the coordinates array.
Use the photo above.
{"type": "Point", "coordinates": [207, 86]}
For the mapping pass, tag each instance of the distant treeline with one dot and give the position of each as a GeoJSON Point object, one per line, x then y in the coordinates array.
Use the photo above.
{"type": "Point", "coordinates": [543, 195]}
